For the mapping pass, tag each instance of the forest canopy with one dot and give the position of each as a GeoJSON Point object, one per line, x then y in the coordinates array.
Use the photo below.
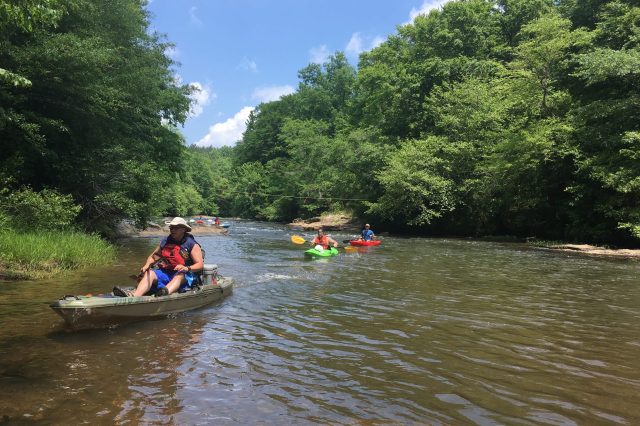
{"type": "Point", "coordinates": [508, 117]}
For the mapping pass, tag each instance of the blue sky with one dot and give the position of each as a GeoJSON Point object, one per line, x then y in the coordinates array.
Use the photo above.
{"type": "Point", "coordinates": [243, 52]}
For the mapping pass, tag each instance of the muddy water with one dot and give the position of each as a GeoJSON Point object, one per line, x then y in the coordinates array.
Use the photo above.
{"type": "Point", "coordinates": [416, 331]}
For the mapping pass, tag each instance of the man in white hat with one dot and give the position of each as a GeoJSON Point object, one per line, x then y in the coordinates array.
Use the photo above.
{"type": "Point", "coordinates": [173, 264]}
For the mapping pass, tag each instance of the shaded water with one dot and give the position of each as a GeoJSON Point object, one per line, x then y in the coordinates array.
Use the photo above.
{"type": "Point", "coordinates": [417, 331]}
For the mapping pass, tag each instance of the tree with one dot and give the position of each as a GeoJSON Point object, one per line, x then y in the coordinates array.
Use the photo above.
{"type": "Point", "coordinates": [103, 97]}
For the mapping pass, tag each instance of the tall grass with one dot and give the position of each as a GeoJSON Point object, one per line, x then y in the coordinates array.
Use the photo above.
{"type": "Point", "coordinates": [42, 253]}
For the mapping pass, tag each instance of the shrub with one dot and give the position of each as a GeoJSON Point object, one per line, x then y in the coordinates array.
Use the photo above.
{"type": "Point", "coordinates": [47, 209]}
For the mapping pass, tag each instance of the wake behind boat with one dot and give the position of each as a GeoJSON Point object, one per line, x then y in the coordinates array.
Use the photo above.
{"type": "Point", "coordinates": [106, 309]}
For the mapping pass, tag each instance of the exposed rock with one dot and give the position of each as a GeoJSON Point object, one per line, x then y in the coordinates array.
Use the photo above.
{"type": "Point", "coordinates": [593, 250]}
{"type": "Point", "coordinates": [331, 222]}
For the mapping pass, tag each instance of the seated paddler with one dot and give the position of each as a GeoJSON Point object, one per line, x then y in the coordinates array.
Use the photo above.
{"type": "Point", "coordinates": [173, 266]}
{"type": "Point", "coordinates": [323, 241]}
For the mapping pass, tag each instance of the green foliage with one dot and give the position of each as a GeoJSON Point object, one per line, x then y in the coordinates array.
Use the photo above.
{"type": "Point", "coordinates": [24, 16]}
{"type": "Point", "coordinates": [47, 209]}
{"type": "Point", "coordinates": [603, 64]}
{"type": "Point", "coordinates": [482, 117]}
{"type": "Point", "coordinates": [418, 183]}
{"type": "Point", "coordinates": [543, 51]}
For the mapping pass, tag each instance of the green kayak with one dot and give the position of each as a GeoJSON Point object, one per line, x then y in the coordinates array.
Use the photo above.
{"type": "Point", "coordinates": [332, 251]}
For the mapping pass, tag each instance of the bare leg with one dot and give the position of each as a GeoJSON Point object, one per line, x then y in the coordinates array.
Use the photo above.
{"type": "Point", "coordinates": [175, 282]}
{"type": "Point", "coordinates": [145, 283]}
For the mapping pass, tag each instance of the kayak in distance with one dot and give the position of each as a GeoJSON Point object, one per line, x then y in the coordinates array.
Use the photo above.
{"type": "Point", "coordinates": [362, 243]}
{"type": "Point", "coordinates": [332, 251]}
{"type": "Point", "coordinates": [80, 312]}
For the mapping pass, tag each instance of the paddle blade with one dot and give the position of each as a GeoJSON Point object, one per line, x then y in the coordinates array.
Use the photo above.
{"type": "Point", "coordinates": [297, 239]}
{"type": "Point", "coordinates": [350, 248]}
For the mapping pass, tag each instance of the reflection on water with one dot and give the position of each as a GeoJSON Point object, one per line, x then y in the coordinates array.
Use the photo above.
{"type": "Point", "coordinates": [421, 331]}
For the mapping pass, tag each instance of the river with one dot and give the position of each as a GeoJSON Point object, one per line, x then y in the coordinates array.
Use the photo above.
{"type": "Point", "coordinates": [416, 331]}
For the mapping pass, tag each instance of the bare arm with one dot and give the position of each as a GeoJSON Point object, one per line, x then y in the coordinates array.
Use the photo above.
{"type": "Point", "coordinates": [155, 255]}
{"type": "Point", "coordinates": [198, 260]}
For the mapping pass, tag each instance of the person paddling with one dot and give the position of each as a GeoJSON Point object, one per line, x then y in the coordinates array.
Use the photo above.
{"type": "Point", "coordinates": [172, 266]}
{"type": "Point", "coordinates": [323, 240]}
{"type": "Point", "coordinates": [367, 234]}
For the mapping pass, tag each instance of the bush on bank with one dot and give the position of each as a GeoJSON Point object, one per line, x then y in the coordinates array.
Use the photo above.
{"type": "Point", "coordinates": [36, 236]}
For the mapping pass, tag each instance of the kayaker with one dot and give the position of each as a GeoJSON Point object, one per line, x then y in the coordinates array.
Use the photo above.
{"type": "Point", "coordinates": [217, 222]}
{"type": "Point", "coordinates": [367, 234]}
{"type": "Point", "coordinates": [323, 240]}
{"type": "Point", "coordinates": [172, 266]}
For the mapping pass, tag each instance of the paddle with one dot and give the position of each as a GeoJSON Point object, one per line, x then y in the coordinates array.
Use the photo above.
{"type": "Point", "coordinates": [297, 239]}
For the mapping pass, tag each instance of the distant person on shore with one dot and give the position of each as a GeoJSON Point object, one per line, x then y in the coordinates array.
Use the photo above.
{"type": "Point", "coordinates": [367, 234]}
{"type": "Point", "coordinates": [217, 221]}
{"type": "Point", "coordinates": [172, 266]}
{"type": "Point", "coordinates": [323, 240]}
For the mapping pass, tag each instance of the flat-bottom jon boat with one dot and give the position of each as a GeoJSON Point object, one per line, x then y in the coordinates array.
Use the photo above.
{"type": "Point", "coordinates": [107, 309]}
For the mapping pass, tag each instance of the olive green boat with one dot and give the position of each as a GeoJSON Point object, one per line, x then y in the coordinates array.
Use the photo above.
{"type": "Point", "coordinates": [106, 309]}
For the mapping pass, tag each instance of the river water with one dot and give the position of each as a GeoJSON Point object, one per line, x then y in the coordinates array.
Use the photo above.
{"type": "Point", "coordinates": [416, 331]}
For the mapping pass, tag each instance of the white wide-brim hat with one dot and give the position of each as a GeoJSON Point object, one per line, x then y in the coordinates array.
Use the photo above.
{"type": "Point", "coordinates": [178, 221]}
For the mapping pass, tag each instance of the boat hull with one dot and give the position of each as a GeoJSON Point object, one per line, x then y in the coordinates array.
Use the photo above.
{"type": "Point", "coordinates": [332, 251]}
{"type": "Point", "coordinates": [361, 243]}
{"type": "Point", "coordinates": [91, 311]}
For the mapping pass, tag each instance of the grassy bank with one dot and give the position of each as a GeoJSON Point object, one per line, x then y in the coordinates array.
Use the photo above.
{"type": "Point", "coordinates": [33, 255]}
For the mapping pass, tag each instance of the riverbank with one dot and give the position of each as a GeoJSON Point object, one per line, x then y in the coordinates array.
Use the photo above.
{"type": "Point", "coordinates": [35, 255]}
{"type": "Point", "coordinates": [329, 222]}
{"type": "Point", "coordinates": [127, 230]}
{"type": "Point", "coordinates": [195, 231]}
{"type": "Point", "coordinates": [590, 250]}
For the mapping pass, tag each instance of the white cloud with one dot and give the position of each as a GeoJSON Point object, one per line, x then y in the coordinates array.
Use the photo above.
{"type": "Point", "coordinates": [193, 14]}
{"type": "Point", "coordinates": [377, 41]}
{"type": "Point", "coordinates": [358, 44]}
{"type": "Point", "coordinates": [427, 6]}
{"type": "Point", "coordinates": [227, 132]}
{"type": "Point", "coordinates": [248, 65]}
{"type": "Point", "coordinates": [271, 93]}
{"type": "Point", "coordinates": [200, 98]}
{"type": "Point", "coordinates": [354, 47]}
{"type": "Point", "coordinates": [172, 52]}
{"type": "Point", "coordinates": [319, 55]}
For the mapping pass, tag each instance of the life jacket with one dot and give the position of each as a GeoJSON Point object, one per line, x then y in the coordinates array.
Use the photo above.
{"type": "Point", "coordinates": [177, 254]}
{"type": "Point", "coordinates": [324, 241]}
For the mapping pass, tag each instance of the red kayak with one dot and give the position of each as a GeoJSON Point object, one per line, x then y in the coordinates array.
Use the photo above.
{"type": "Point", "coordinates": [361, 243]}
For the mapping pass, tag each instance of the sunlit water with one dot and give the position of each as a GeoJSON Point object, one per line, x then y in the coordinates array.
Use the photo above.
{"type": "Point", "coordinates": [416, 331]}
